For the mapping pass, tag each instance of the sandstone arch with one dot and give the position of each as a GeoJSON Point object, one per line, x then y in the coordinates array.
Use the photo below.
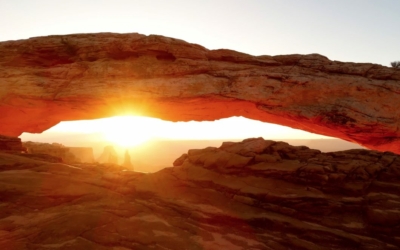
{"type": "Point", "coordinates": [46, 80]}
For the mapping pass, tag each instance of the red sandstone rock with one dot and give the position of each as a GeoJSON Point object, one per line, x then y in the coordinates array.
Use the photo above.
{"type": "Point", "coordinates": [303, 200]}
{"type": "Point", "coordinates": [11, 144]}
{"type": "Point", "coordinates": [49, 79]}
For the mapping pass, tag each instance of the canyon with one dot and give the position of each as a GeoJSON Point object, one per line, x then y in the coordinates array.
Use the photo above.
{"type": "Point", "coordinates": [45, 80]}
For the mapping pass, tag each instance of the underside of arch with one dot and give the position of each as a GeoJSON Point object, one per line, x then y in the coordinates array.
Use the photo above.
{"type": "Point", "coordinates": [46, 80]}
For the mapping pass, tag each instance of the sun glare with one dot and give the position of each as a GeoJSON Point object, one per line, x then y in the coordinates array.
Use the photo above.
{"type": "Point", "coordinates": [129, 131]}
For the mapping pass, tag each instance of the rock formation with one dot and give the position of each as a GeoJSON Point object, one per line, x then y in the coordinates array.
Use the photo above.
{"type": "Point", "coordinates": [127, 161]}
{"type": "Point", "coordinates": [11, 144]}
{"type": "Point", "coordinates": [83, 154]}
{"type": "Point", "coordinates": [55, 149]}
{"type": "Point", "coordinates": [45, 80]}
{"type": "Point", "coordinates": [255, 194]}
{"type": "Point", "coordinates": [66, 154]}
{"type": "Point", "coordinates": [109, 155]}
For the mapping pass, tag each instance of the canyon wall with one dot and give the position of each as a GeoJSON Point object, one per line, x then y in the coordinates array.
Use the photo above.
{"type": "Point", "coordinates": [11, 144]}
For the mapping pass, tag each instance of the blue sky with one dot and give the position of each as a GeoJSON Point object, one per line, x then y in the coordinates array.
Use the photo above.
{"type": "Point", "coordinates": [343, 30]}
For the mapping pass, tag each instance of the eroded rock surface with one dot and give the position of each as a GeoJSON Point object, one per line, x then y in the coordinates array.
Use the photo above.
{"type": "Point", "coordinates": [45, 80]}
{"type": "Point", "coordinates": [255, 194]}
{"type": "Point", "coordinates": [11, 144]}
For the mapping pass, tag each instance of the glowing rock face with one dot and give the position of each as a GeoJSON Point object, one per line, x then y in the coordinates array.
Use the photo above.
{"type": "Point", "coordinates": [46, 80]}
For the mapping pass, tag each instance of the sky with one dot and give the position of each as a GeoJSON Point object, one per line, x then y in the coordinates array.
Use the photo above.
{"type": "Point", "coordinates": [343, 30]}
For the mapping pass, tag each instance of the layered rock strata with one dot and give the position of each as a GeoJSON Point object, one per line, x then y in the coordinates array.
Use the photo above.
{"type": "Point", "coordinates": [11, 144]}
{"type": "Point", "coordinates": [255, 194]}
{"type": "Point", "coordinates": [45, 80]}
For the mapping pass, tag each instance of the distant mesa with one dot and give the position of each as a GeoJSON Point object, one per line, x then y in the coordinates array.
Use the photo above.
{"type": "Point", "coordinates": [88, 76]}
{"type": "Point", "coordinates": [109, 155]}
{"type": "Point", "coordinates": [11, 144]}
{"type": "Point", "coordinates": [65, 154]}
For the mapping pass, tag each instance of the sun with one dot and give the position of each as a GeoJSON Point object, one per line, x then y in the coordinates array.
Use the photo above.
{"type": "Point", "coordinates": [131, 131]}
{"type": "Point", "coordinates": [123, 138]}
{"type": "Point", "coordinates": [128, 131]}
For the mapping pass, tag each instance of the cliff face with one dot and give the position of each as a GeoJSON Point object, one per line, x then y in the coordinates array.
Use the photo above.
{"type": "Point", "coordinates": [45, 80]}
{"type": "Point", "coordinates": [66, 154]}
{"type": "Point", "coordinates": [255, 194]}
{"type": "Point", "coordinates": [11, 144]}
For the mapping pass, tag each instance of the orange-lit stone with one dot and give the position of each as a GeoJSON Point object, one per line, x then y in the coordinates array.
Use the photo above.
{"type": "Point", "coordinates": [46, 80]}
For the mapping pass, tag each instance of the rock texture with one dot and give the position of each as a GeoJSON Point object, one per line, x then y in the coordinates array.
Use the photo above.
{"type": "Point", "coordinates": [45, 80]}
{"type": "Point", "coordinates": [11, 144]}
{"type": "Point", "coordinates": [255, 194]}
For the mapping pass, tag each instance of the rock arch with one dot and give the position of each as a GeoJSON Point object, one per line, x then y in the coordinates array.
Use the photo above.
{"type": "Point", "coordinates": [45, 80]}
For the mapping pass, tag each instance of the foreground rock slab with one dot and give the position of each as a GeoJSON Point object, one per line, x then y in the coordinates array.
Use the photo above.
{"type": "Point", "coordinates": [46, 80]}
{"type": "Point", "coordinates": [255, 194]}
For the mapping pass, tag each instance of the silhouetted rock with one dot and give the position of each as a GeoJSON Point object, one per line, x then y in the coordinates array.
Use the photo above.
{"type": "Point", "coordinates": [109, 155]}
{"type": "Point", "coordinates": [255, 194]}
{"type": "Point", "coordinates": [53, 149]}
{"type": "Point", "coordinates": [127, 161]}
{"type": "Point", "coordinates": [66, 154]}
